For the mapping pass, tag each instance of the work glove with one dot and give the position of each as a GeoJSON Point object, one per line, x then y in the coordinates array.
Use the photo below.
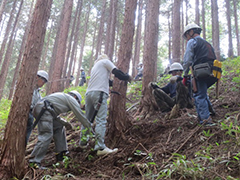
{"type": "Point", "coordinates": [175, 79]}
{"type": "Point", "coordinates": [65, 123]}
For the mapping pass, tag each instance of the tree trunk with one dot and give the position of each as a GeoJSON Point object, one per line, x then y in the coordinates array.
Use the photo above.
{"type": "Point", "coordinates": [197, 15]}
{"type": "Point", "coordinates": [118, 121]}
{"type": "Point", "coordinates": [7, 32]}
{"type": "Point", "coordinates": [8, 54]}
{"type": "Point", "coordinates": [215, 28]}
{"type": "Point", "coordinates": [176, 31]}
{"type": "Point", "coordinates": [228, 15]}
{"type": "Point", "coordinates": [82, 45]}
{"type": "Point", "coordinates": [138, 39]}
{"type": "Point", "coordinates": [236, 26]}
{"type": "Point", "coordinates": [75, 44]}
{"type": "Point", "coordinates": [101, 30]}
{"type": "Point", "coordinates": [56, 84]}
{"type": "Point", "coordinates": [19, 60]}
{"type": "Point", "coordinates": [3, 4]}
{"type": "Point", "coordinates": [74, 28]}
{"type": "Point", "coordinates": [203, 20]}
{"type": "Point", "coordinates": [12, 158]}
{"type": "Point", "coordinates": [149, 57]}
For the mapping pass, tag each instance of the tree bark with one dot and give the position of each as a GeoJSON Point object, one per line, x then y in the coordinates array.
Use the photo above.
{"type": "Point", "coordinates": [236, 26]}
{"type": "Point", "coordinates": [176, 31]}
{"type": "Point", "coordinates": [82, 45]}
{"type": "Point", "coordinates": [203, 20]}
{"type": "Point", "coordinates": [215, 28]}
{"type": "Point", "coordinates": [118, 121]}
{"type": "Point", "coordinates": [7, 32]}
{"type": "Point", "coordinates": [13, 147]}
{"type": "Point", "coordinates": [150, 55]}
{"type": "Point", "coordinates": [197, 15]}
{"type": "Point", "coordinates": [19, 60]}
{"type": "Point", "coordinates": [101, 30]}
{"type": "Point", "coordinates": [138, 38]}
{"type": "Point", "coordinates": [56, 84]}
{"type": "Point", "coordinates": [3, 4]}
{"type": "Point", "coordinates": [228, 15]}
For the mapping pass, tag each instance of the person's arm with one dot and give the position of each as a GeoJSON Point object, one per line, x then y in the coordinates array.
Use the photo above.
{"type": "Point", "coordinates": [120, 75]}
{"type": "Point", "coordinates": [188, 56]}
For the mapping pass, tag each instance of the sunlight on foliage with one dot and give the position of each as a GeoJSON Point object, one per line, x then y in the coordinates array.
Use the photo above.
{"type": "Point", "coordinates": [5, 106]}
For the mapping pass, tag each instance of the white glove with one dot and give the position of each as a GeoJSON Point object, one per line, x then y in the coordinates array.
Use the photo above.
{"type": "Point", "coordinates": [173, 79]}
{"type": "Point", "coordinates": [64, 123]}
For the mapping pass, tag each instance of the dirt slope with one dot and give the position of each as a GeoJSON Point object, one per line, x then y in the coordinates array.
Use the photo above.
{"type": "Point", "coordinates": [150, 146]}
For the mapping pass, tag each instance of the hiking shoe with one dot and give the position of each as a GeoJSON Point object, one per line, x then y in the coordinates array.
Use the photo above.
{"type": "Point", "coordinates": [106, 150]}
{"type": "Point", "coordinates": [207, 122]}
{"type": "Point", "coordinates": [59, 156]}
{"type": "Point", "coordinates": [37, 165]}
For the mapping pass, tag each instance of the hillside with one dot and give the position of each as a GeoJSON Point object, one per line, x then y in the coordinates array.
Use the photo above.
{"type": "Point", "coordinates": [159, 148]}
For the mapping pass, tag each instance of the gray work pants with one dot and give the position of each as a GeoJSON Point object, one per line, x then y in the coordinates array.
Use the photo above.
{"type": "Point", "coordinates": [48, 128]}
{"type": "Point", "coordinates": [91, 101]}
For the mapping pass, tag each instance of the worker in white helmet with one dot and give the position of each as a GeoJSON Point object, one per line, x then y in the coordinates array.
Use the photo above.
{"type": "Point", "coordinates": [199, 55]}
{"type": "Point", "coordinates": [139, 71]}
{"type": "Point", "coordinates": [167, 96]}
{"type": "Point", "coordinates": [41, 79]}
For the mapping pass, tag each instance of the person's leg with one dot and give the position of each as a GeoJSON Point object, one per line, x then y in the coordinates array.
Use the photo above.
{"type": "Point", "coordinates": [201, 102]}
{"type": "Point", "coordinates": [89, 109]}
{"type": "Point", "coordinates": [101, 122]}
{"type": "Point", "coordinates": [29, 126]}
{"type": "Point", "coordinates": [163, 100]}
{"type": "Point", "coordinates": [45, 134]}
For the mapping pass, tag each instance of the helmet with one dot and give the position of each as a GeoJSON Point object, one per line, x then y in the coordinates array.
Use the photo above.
{"type": "Point", "coordinates": [81, 69]}
{"type": "Point", "coordinates": [140, 64]}
{"type": "Point", "coordinates": [191, 26]}
{"type": "Point", "coordinates": [76, 94]}
{"type": "Point", "coordinates": [43, 74]}
{"type": "Point", "coordinates": [175, 67]}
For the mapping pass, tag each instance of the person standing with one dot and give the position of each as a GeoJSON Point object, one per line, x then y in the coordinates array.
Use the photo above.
{"type": "Point", "coordinates": [50, 125]}
{"type": "Point", "coordinates": [139, 72]}
{"type": "Point", "coordinates": [199, 56]}
{"type": "Point", "coordinates": [96, 101]}
{"type": "Point", "coordinates": [83, 77]}
{"type": "Point", "coordinates": [41, 79]}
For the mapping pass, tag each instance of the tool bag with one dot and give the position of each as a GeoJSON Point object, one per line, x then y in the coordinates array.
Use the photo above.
{"type": "Point", "coordinates": [202, 71]}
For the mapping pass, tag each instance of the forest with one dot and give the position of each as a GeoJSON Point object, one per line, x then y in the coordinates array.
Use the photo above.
{"type": "Point", "coordinates": [62, 37]}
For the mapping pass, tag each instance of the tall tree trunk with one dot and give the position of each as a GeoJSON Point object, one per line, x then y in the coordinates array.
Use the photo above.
{"type": "Point", "coordinates": [12, 160]}
{"type": "Point", "coordinates": [3, 4]}
{"type": "Point", "coordinates": [118, 121]}
{"type": "Point", "coordinates": [71, 39]}
{"type": "Point", "coordinates": [138, 38]}
{"type": "Point", "coordinates": [236, 26]}
{"type": "Point", "coordinates": [197, 14]}
{"type": "Point", "coordinates": [101, 30]}
{"type": "Point", "coordinates": [92, 51]}
{"type": "Point", "coordinates": [7, 32]}
{"type": "Point", "coordinates": [19, 60]}
{"type": "Point", "coordinates": [169, 38]}
{"type": "Point", "coordinates": [83, 44]}
{"type": "Point", "coordinates": [150, 55]}
{"type": "Point", "coordinates": [7, 58]}
{"type": "Point", "coordinates": [203, 20]}
{"type": "Point", "coordinates": [228, 15]}
{"type": "Point", "coordinates": [56, 84]}
{"type": "Point", "coordinates": [176, 31]}
{"type": "Point", "coordinates": [75, 44]}
{"type": "Point", "coordinates": [112, 29]}
{"type": "Point", "coordinates": [215, 28]}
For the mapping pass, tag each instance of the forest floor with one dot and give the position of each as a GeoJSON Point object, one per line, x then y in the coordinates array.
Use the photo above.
{"type": "Point", "coordinates": [181, 145]}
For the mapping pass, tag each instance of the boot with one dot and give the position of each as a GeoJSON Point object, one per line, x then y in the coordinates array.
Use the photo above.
{"type": "Point", "coordinates": [59, 156]}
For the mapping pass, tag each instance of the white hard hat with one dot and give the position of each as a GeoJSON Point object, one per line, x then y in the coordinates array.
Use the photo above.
{"type": "Point", "coordinates": [102, 56]}
{"type": "Point", "coordinates": [43, 74]}
{"type": "Point", "coordinates": [140, 64]}
{"type": "Point", "coordinates": [74, 92]}
{"type": "Point", "coordinates": [175, 67]}
{"type": "Point", "coordinates": [189, 27]}
{"type": "Point", "coordinates": [81, 69]}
